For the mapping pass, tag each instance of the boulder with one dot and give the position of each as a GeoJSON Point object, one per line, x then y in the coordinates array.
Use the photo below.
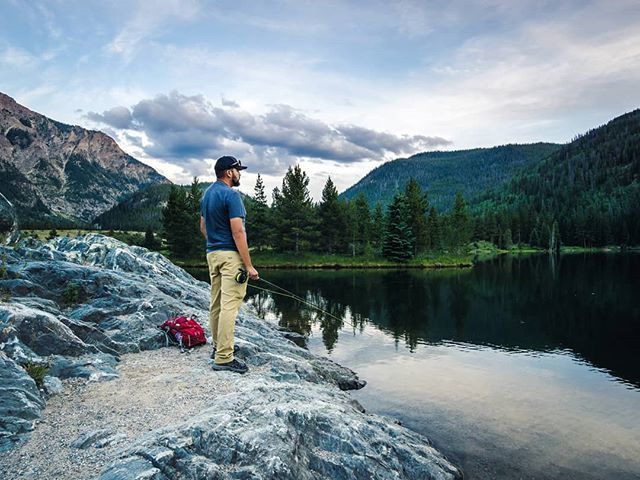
{"type": "Point", "coordinates": [20, 403]}
{"type": "Point", "coordinates": [274, 430]}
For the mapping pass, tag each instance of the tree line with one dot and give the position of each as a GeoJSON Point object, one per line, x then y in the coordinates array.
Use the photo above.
{"type": "Point", "coordinates": [294, 223]}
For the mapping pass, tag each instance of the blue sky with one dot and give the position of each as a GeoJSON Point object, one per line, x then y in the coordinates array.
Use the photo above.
{"type": "Point", "coordinates": [338, 87]}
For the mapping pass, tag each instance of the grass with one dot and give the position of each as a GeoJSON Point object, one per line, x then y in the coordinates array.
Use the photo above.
{"type": "Point", "coordinates": [316, 260]}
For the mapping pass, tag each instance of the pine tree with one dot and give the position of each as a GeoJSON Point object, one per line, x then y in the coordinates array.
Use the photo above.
{"type": "Point", "coordinates": [296, 222]}
{"type": "Point", "coordinates": [377, 227]}
{"type": "Point", "coordinates": [398, 238]}
{"type": "Point", "coordinates": [332, 219]}
{"type": "Point", "coordinates": [362, 223]}
{"type": "Point", "coordinates": [435, 232]}
{"type": "Point", "coordinates": [508, 241]}
{"type": "Point", "coordinates": [194, 197]}
{"type": "Point", "coordinates": [258, 223]}
{"type": "Point", "coordinates": [149, 239]}
{"type": "Point", "coordinates": [177, 221]}
{"type": "Point", "coordinates": [418, 205]}
{"type": "Point", "coordinates": [460, 222]}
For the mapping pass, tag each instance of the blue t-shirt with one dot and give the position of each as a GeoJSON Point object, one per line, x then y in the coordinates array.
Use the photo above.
{"type": "Point", "coordinates": [220, 203]}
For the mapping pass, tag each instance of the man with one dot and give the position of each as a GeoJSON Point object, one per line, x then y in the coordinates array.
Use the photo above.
{"type": "Point", "coordinates": [222, 224]}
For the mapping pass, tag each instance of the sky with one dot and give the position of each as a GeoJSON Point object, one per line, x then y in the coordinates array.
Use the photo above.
{"type": "Point", "coordinates": [337, 87]}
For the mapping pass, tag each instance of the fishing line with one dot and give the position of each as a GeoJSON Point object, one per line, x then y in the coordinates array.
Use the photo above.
{"type": "Point", "coordinates": [287, 293]}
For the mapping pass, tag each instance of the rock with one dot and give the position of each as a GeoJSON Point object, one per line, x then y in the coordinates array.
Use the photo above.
{"type": "Point", "coordinates": [91, 367]}
{"type": "Point", "coordinates": [41, 331]}
{"type": "Point", "coordinates": [134, 469]}
{"type": "Point", "coordinates": [20, 403]}
{"type": "Point", "coordinates": [97, 438]}
{"type": "Point", "coordinates": [110, 440]}
{"type": "Point", "coordinates": [52, 385]}
{"type": "Point", "coordinates": [272, 430]}
{"type": "Point", "coordinates": [287, 418]}
{"type": "Point", "coordinates": [90, 438]}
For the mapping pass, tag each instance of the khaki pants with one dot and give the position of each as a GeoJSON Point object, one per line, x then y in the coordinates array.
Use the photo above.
{"type": "Point", "coordinates": [226, 298]}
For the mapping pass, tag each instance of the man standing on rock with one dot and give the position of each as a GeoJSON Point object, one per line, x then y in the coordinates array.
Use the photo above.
{"type": "Point", "coordinates": [222, 224]}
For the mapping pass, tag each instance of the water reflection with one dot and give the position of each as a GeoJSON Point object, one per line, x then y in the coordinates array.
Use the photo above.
{"type": "Point", "coordinates": [583, 303]}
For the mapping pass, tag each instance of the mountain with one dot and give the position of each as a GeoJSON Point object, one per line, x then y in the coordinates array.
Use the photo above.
{"type": "Point", "coordinates": [57, 174]}
{"type": "Point", "coordinates": [442, 174]}
{"type": "Point", "coordinates": [590, 188]}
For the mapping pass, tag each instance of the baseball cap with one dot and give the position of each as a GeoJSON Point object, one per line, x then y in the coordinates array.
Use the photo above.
{"type": "Point", "coordinates": [227, 162]}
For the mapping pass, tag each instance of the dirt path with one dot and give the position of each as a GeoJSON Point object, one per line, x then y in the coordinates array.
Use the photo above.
{"type": "Point", "coordinates": [149, 394]}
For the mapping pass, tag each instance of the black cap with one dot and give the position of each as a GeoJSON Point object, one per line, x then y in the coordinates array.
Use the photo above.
{"type": "Point", "coordinates": [227, 162]}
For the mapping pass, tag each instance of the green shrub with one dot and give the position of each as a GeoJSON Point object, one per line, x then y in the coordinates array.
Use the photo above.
{"type": "Point", "coordinates": [37, 371]}
{"type": "Point", "coordinates": [71, 293]}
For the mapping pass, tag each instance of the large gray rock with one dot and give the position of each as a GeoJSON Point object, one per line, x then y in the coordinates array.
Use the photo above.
{"type": "Point", "coordinates": [281, 430]}
{"type": "Point", "coordinates": [20, 403]}
{"type": "Point", "coordinates": [287, 418]}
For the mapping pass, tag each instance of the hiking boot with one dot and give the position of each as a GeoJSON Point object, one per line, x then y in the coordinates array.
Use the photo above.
{"type": "Point", "coordinates": [233, 366]}
{"type": "Point", "coordinates": [236, 349]}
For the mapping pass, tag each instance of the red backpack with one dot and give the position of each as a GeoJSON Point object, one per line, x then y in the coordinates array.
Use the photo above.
{"type": "Point", "coordinates": [186, 331]}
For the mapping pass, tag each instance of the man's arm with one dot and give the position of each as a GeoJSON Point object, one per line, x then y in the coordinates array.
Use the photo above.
{"type": "Point", "coordinates": [203, 228]}
{"type": "Point", "coordinates": [240, 238]}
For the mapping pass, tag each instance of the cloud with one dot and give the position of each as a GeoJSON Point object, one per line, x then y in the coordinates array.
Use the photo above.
{"type": "Point", "coordinates": [117, 117]}
{"type": "Point", "coordinates": [147, 21]}
{"type": "Point", "coordinates": [183, 129]}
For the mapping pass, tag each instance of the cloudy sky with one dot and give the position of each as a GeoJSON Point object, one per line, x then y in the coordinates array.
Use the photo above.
{"type": "Point", "coordinates": [335, 86]}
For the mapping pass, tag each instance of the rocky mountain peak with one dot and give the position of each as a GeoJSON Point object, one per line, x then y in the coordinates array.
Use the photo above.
{"type": "Point", "coordinates": [57, 173]}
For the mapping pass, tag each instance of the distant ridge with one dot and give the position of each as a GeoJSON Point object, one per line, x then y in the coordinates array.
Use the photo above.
{"type": "Point", "coordinates": [442, 174]}
{"type": "Point", "coordinates": [62, 175]}
{"type": "Point", "coordinates": [590, 188]}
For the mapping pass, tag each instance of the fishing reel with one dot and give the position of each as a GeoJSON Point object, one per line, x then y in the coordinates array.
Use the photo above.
{"type": "Point", "coordinates": [242, 276]}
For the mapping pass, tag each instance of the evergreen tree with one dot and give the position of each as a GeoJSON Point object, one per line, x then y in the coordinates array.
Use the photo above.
{"type": "Point", "coordinates": [417, 204]}
{"type": "Point", "coordinates": [177, 221]}
{"type": "Point", "coordinates": [460, 222]}
{"type": "Point", "coordinates": [507, 238]}
{"type": "Point", "coordinates": [150, 241]}
{"type": "Point", "coordinates": [295, 215]}
{"type": "Point", "coordinates": [332, 219]}
{"type": "Point", "coordinates": [258, 223]}
{"type": "Point", "coordinates": [435, 232]}
{"type": "Point", "coordinates": [377, 228]}
{"type": "Point", "coordinates": [194, 197]}
{"type": "Point", "coordinates": [362, 223]}
{"type": "Point", "coordinates": [398, 238]}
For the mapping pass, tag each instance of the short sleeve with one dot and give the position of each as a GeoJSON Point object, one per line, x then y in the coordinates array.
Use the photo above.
{"type": "Point", "coordinates": [236, 208]}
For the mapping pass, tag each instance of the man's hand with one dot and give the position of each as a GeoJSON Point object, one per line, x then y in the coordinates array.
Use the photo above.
{"type": "Point", "coordinates": [253, 273]}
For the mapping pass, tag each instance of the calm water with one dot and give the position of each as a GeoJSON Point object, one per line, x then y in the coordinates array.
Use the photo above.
{"type": "Point", "coordinates": [518, 368]}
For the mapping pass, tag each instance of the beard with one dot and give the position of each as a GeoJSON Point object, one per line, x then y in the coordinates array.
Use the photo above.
{"type": "Point", "coordinates": [235, 182]}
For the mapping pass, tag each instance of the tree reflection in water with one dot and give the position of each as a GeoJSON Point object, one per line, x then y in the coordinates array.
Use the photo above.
{"type": "Point", "coordinates": [585, 303]}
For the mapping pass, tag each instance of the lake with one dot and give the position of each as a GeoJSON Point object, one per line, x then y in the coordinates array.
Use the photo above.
{"type": "Point", "coordinates": [522, 367]}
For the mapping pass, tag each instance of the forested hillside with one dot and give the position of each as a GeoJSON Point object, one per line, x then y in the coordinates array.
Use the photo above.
{"type": "Point", "coordinates": [443, 174]}
{"type": "Point", "coordinates": [140, 211]}
{"type": "Point", "coordinates": [587, 193]}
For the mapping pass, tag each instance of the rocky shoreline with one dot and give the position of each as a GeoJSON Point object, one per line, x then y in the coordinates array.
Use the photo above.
{"type": "Point", "coordinates": [80, 314]}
